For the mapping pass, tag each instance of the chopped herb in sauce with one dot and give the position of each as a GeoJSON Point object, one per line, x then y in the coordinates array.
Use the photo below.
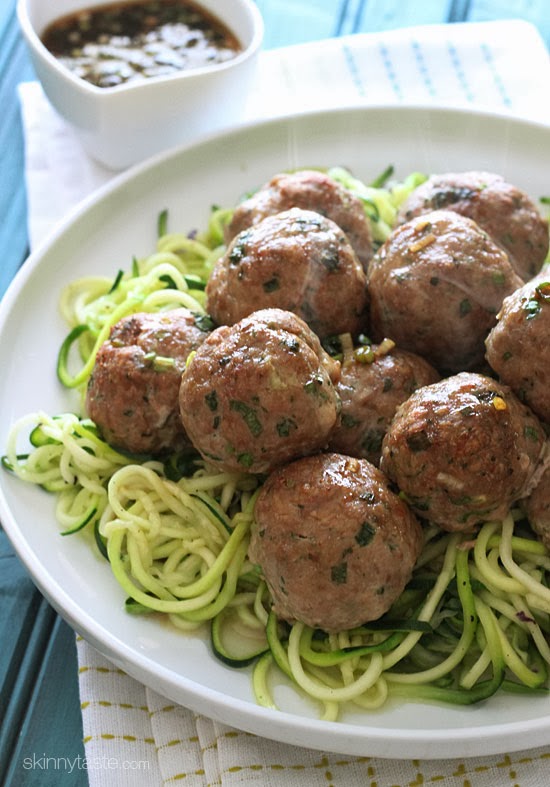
{"type": "Point", "coordinates": [160, 363]}
{"type": "Point", "coordinates": [204, 322]}
{"type": "Point", "coordinates": [364, 354]}
{"type": "Point", "coordinates": [117, 43]}
{"type": "Point", "coordinates": [540, 296]}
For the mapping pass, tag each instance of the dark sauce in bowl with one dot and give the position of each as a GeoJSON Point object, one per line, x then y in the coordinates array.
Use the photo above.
{"type": "Point", "coordinates": [122, 42]}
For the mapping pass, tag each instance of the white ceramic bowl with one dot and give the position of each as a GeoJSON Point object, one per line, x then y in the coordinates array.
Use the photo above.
{"type": "Point", "coordinates": [122, 125]}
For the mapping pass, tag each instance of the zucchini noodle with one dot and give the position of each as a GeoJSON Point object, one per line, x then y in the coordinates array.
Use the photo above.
{"type": "Point", "coordinates": [69, 459]}
{"type": "Point", "coordinates": [173, 276]}
{"type": "Point", "coordinates": [381, 199]}
{"type": "Point", "coordinates": [474, 618]}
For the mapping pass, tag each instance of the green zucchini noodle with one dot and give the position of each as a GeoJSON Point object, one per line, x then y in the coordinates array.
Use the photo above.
{"type": "Point", "coordinates": [69, 459]}
{"type": "Point", "coordinates": [173, 276]}
{"type": "Point", "coordinates": [169, 550]}
{"type": "Point", "coordinates": [381, 200]}
{"type": "Point", "coordinates": [474, 618]}
{"type": "Point", "coordinates": [476, 636]}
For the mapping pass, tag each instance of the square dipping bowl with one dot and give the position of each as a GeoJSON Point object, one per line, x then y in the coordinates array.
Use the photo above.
{"type": "Point", "coordinates": [122, 125]}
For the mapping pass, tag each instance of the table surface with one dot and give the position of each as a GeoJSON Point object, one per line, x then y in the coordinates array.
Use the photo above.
{"type": "Point", "coordinates": [39, 704]}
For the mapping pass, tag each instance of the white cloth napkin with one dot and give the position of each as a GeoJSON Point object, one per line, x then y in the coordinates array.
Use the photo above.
{"type": "Point", "coordinates": [132, 735]}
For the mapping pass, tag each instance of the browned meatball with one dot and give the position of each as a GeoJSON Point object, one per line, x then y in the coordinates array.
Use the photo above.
{"type": "Point", "coordinates": [436, 286]}
{"type": "Point", "coordinates": [518, 347]}
{"type": "Point", "coordinates": [336, 546]}
{"type": "Point", "coordinates": [463, 450]}
{"type": "Point", "coordinates": [133, 391]}
{"type": "Point", "coordinates": [537, 508]}
{"type": "Point", "coordinates": [310, 190]}
{"type": "Point", "coordinates": [505, 212]}
{"type": "Point", "coordinates": [298, 261]}
{"type": "Point", "coordinates": [373, 383]}
{"type": "Point", "coordinates": [259, 393]}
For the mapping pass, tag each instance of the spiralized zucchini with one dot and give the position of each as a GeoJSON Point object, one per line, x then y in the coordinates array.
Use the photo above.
{"type": "Point", "coordinates": [485, 604]}
{"type": "Point", "coordinates": [69, 459]}
{"type": "Point", "coordinates": [381, 199]}
{"type": "Point", "coordinates": [474, 618]}
{"type": "Point", "coordinates": [173, 276]}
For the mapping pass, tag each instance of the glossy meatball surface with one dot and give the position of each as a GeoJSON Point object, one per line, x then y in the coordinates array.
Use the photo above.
{"type": "Point", "coordinates": [435, 288]}
{"type": "Point", "coordinates": [463, 450]}
{"type": "Point", "coordinates": [297, 260]}
{"type": "Point", "coordinates": [537, 508]}
{"type": "Point", "coordinates": [518, 347]}
{"type": "Point", "coordinates": [309, 190]}
{"type": "Point", "coordinates": [259, 393]}
{"type": "Point", "coordinates": [504, 211]}
{"type": "Point", "coordinates": [370, 392]}
{"type": "Point", "coordinates": [133, 391]}
{"type": "Point", "coordinates": [336, 546]}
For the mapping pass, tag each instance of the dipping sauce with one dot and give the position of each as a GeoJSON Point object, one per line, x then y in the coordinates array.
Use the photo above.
{"type": "Point", "coordinates": [122, 42]}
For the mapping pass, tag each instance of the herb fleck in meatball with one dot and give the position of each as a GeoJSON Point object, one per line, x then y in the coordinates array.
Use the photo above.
{"type": "Point", "coordinates": [518, 347]}
{"type": "Point", "coordinates": [133, 391]}
{"type": "Point", "coordinates": [435, 288]}
{"type": "Point", "coordinates": [298, 261]}
{"type": "Point", "coordinates": [336, 546]}
{"type": "Point", "coordinates": [259, 393]}
{"type": "Point", "coordinates": [505, 212]}
{"type": "Point", "coordinates": [373, 383]}
{"type": "Point", "coordinates": [463, 450]}
{"type": "Point", "coordinates": [309, 190]}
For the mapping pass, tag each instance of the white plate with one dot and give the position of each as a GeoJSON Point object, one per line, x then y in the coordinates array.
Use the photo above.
{"type": "Point", "coordinates": [102, 237]}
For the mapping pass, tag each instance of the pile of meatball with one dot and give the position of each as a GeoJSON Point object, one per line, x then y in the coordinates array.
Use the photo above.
{"type": "Point", "coordinates": [374, 391]}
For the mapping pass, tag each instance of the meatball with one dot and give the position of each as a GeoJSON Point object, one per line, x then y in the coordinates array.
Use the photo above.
{"type": "Point", "coordinates": [518, 347]}
{"type": "Point", "coordinates": [298, 261]}
{"type": "Point", "coordinates": [537, 508]}
{"type": "Point", "coordinates": [463, 450]}
{"type": "Point", "coordinates": [336, 546]}
{"type": "Point", "coordinates": [373, 383]}
{"type": "Point", "coordinates": [435, 287]}
{"type": "Point", "coordinates": [505, 212]}
{"type": "Point", "coordinates": [132, 393]}
{"type": "Point", "coordinates": [310, 190]}
{"type": "Point", "coordinates": [259, 393]}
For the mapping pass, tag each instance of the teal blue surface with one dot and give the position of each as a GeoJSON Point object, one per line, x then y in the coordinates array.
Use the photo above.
{"type": "Point", "coordinates": [40, 721]}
